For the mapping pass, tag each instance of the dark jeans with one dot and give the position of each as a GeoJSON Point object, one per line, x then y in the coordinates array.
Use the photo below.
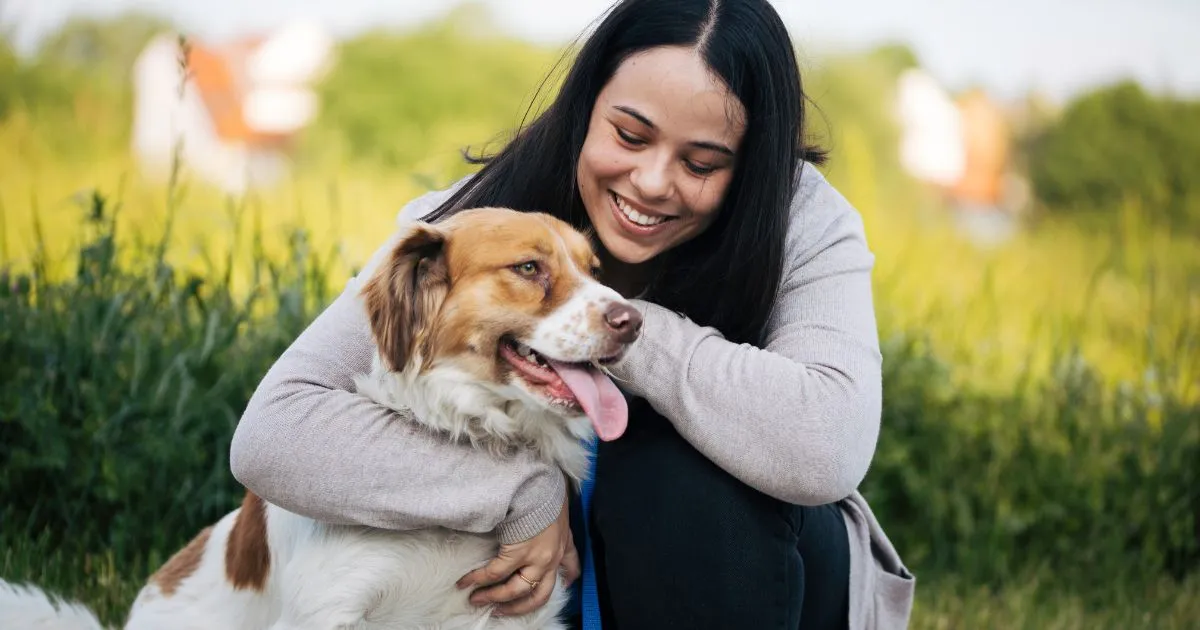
{"type": "Point", "coordinates": [679, 543]}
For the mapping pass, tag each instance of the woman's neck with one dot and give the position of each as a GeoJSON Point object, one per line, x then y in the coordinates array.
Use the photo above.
{"type": "Point", "coordinates": [627, 279]}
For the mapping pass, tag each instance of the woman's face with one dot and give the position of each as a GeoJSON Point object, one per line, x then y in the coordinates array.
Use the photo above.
{"type": "Point", "coordinates": [659, 153]}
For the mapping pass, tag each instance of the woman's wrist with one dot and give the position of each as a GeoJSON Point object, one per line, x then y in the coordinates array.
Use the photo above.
{"type": "Point", "coordinates": [534, 507]}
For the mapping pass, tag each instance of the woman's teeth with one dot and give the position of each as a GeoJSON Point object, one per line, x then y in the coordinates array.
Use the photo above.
{"type": "Point", "coordinates": [635, 216]}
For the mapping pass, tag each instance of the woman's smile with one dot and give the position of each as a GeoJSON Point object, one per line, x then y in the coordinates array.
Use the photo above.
{"type": "Point", "coordinates": [636, 219]}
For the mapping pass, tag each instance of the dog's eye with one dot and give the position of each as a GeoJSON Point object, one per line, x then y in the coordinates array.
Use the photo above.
{"type": "Point", "coordinates": [527, 269]}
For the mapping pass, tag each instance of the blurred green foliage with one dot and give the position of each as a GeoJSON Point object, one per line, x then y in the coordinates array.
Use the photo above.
{"type": "Point", "coordinates": [1119, 145]}
{"type": "Point", "coordinates": [120, 387]}
{"type": "Point", "coordinates": [30, 87]}
{"type": "Point", "coordinates": [390, 99]}
{"type": "Point", "coordinates": [78, 84]}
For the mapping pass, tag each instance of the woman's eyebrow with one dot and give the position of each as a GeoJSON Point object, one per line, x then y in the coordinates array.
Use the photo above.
{"type": "Point", "coordinates": [712, 146]}
{"type": "Point", "coordinates": [636, 114]}
{"type": "Point", "coordinates": [700, 144]}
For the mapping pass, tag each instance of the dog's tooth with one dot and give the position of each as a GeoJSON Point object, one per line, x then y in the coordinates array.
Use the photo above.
{"type": "Point", "coordinates": [523, 349]}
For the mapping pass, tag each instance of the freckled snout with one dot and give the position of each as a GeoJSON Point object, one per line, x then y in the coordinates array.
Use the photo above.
{"type": "Point", "coordinates": [624, 321]}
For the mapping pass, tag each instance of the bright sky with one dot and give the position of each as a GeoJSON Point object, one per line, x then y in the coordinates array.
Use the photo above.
{"type": "Point", "coordinates": [1008, 46]}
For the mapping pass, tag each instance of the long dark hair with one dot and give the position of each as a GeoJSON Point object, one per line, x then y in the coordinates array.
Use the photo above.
{"type": "Point", "coordinates": [728, 276]}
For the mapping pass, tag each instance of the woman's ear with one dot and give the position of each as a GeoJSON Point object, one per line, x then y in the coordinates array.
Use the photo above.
{"type": "Point", "coordinates": [405, 293]}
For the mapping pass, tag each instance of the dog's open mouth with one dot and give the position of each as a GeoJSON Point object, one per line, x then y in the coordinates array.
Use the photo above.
{"type": "Point", "coordinates": [579, 386]}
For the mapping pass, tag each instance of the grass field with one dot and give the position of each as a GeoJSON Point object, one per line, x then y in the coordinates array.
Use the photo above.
{"type": "Point", "coordinates": [1034, 603]}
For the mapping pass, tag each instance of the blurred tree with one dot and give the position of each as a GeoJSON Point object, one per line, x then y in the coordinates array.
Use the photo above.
{"type": "Point", "coordinates": [413, 100]}
{"type": "Point", "coordinates": [894, 58]}
{"type": "Point", "coordinates": [28, 86]}
{"type": "Point", "coordinates": [78, 82]}
{"type": "Point", "coordinates": [1118, 146]}
{"type": "Point", "coordinates": [105, 48]}
{"type": "Point", "coordinates": [10, 69]}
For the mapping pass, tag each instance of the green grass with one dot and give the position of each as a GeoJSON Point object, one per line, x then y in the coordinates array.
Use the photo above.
{"type": "Point", "coordinates": [1037, 602]}
{"type": "Point", "coordinates": [1034, 602]}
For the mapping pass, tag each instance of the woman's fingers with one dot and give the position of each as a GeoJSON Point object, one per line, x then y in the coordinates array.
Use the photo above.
{"type": "Point", "coordinates": [523, 574]}
{"type": "Point", "coordinates": [518, 587]}
{"type": "Point", "coordinates": [536, 598]}
{"type": "Point", "coordinates": [496, 571]}
{"type": "Point", "coordinates": [570, 564]}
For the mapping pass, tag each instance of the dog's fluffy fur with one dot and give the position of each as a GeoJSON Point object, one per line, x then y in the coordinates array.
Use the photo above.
{"type": "Point", "coordinates": [455, 309]}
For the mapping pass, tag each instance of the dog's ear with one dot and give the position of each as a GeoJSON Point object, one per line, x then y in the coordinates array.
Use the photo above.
{"type": "Point", "coordinates": [405, 292]}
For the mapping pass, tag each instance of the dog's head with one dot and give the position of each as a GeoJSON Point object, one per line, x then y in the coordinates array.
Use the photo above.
{"type": "Point", "coordinates": [510, 301]}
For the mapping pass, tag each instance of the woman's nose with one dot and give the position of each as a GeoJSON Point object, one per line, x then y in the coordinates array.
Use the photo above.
{"type": "Point", "coordinates": [652, 178]}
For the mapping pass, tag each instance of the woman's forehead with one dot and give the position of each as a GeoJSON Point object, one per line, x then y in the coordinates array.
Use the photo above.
{"type": "Point", "coordinates": [678, 94]}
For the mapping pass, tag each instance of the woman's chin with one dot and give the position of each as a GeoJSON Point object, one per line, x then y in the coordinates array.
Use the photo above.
{"type": "Point", "coordinates": [625, 250]}
{"type": "Point", "coordinates": [629, 253]}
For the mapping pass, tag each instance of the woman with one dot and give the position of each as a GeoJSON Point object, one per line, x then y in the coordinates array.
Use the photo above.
{"type": "Point", "coordinates": [677, 137]}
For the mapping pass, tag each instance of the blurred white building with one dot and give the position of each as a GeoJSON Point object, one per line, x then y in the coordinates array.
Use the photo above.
{"type": "Point", "coordinates": [239, 108]}
{"type": "Point", "coordinates": [962, 147]}
{"type": "Point", "coordinates": [931, 144]}
{"type": "Point", "coordinates": [960, 144]}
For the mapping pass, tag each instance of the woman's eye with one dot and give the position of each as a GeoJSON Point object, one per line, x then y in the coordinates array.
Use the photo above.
{"type": "Point", "coordinates": [527, 269]}
{"type": "Point", "coordinates": [700, 169]}
{"type": "Point", "coordinates": [630, 138]}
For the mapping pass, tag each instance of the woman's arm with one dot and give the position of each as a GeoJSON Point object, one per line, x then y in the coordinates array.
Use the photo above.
{"type": "Point", "coordinates": [309, 444]}
{"type": "Point", "coordinates": [797, 419]}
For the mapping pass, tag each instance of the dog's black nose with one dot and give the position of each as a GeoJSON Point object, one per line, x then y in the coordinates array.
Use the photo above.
{"type": "Point", "coordinates": [624, 320]}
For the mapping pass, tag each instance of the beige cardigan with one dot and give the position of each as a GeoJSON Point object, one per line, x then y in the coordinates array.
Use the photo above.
{"type": "Point", "coordinates": [811, 398]}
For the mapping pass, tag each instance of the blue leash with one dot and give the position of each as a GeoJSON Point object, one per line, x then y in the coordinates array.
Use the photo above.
{"type": "Point", "coordinates": [590, 606]}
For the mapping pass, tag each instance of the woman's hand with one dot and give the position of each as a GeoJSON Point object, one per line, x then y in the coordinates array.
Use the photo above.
{"type": "Point", "coordinates": [521, 577]}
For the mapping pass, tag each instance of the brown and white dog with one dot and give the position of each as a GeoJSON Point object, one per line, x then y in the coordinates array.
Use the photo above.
{"type": "Point", "coordinates": [492, 328]}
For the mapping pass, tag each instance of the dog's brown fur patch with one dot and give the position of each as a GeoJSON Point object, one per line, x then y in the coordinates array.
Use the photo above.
{"type": "Point", "coordinates": [405, 295]}
{"type": "Point", "coordinates": [182, 564]}
{"type": "Point", "coordinates": [247, 556]}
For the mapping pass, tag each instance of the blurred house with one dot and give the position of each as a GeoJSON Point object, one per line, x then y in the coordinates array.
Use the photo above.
{"type": "Point", "coordinates": [986, 151]}
{"type": "Point", "coordinates": [961, 145]}
{"type": "Point", "coordinates": [931, 141]}
{"type": "Point", "coordinates": [236, 110]}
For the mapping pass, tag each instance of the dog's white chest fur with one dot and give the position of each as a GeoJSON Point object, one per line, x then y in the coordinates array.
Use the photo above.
{"type": "Point", "coordinates": [452, 402]}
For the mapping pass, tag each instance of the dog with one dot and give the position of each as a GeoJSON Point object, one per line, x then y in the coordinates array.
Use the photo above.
{"type": "Point", "coordinates": [493, 329]}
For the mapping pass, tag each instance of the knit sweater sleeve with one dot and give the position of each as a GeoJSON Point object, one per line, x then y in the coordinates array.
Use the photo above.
{"type": "Point", "coordinates": [310, 444]}
{"type": "Point", "coordinates": [798, 418]}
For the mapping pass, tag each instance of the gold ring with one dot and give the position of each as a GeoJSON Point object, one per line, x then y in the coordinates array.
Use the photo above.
{"type": "Point", "coordinates": [533, 584]}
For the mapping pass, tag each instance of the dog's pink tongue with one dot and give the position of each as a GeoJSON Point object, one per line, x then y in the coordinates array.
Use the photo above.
{"type": "Point", "coordinates": [599, 397]}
